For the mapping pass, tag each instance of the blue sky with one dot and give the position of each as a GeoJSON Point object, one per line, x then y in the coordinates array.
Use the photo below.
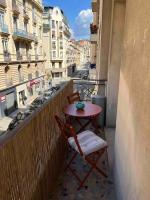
{"type": "Point", "coordinates": [79, 15]}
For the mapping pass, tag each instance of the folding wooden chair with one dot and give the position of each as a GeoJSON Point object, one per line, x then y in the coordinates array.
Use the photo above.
{"type": "Point", "coordinates": [90, 146]}
{"type": "Point", "coordinates": [73, 98]}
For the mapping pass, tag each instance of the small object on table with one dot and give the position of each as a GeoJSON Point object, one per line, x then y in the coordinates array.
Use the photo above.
{"type": "Point", "coordinates": [80, 105]}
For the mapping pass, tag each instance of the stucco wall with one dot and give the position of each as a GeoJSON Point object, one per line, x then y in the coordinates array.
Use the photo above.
{"type": "Point", "coordinates": [104, 38]}
{"type": "Point", "coordinates": [118, 17]}
{"type": "Point", "coordinates": [132, 143]}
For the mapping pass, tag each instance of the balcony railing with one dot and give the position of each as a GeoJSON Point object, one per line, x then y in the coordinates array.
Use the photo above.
{"type": "Point", "coordinates": [31, 154]}
{"type": "Point", "coordinates": [22, 34]}
{"type": "Point", "coordinates": [88, 88]}
{"type": "Point", "coordinates": [4, 29]}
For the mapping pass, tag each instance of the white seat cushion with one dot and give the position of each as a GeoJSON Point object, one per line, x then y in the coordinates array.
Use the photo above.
{"type": "Point", "coordinates": [89, 142]}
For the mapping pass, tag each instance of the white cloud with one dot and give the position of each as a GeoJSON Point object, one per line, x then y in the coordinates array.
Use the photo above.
{"type": "Point", "coordinates": [83, 20]}
{"type": "Point", "coordinates": [72, 33]}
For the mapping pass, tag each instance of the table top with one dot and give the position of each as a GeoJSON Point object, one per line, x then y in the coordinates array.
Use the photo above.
{"type": "Point", "coordinates": [89, 110]}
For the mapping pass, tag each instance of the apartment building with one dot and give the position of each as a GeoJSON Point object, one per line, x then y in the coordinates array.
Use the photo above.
{"type": "Point", "coordinates": [56, 34]}
{"type": "Point", "coordinates": [21, 53]}
{"type": "Point", "coordinates": [73, 55]}
{"type": "Point", "coordinates": [85, 46]}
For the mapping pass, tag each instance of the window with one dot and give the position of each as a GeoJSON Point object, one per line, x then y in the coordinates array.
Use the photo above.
{"type": "Point", "coordinates": [53, 34]}
{"type": "Point", "coordinates": [37, 74]}
{"type": "Point", "coordinates": [26, 26]}
{"type": "Point", "coordinates": [8, 76]}
{"type": "Point", "coordinates": [1, 19]}
{"type": "Point", "coordinates": [60, 35]}
{"type": "Point", "coordinates": [53, 24]}
{"type": "Point", "coordinates": [54, 45]}
{"type": "Point", "coordinates": [20, 71]}
{"type": "Point", "coordinates": [5, 45]}
{"type": "Point", "coordinates": [54, 54]}
{"type": "Point", "coordinates": [53, 65]}
{"type": "Point", "coordinates": [61, 54]}
{"type": "Point", "coordinates": [60, 25]}
{"type": "Point", "coordinates": [60, 65]}
{"type": "Point", "coordinates": [15, 23]}
{"type": "Point", "coordinates": [61, 45]}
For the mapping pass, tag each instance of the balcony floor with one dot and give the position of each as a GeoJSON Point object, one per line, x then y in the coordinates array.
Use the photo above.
{"type": "Point", "coordinates": [97, 187]}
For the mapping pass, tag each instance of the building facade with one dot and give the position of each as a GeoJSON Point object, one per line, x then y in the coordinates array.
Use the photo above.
{"type": "Point", "coordinates": [73, 54]}
{"type": "Point", "coordinates": [56, 34]}
{"type": "Point", "coordinates": [85, 47]}
{"type": "Point", "coordinates": [21, 53]}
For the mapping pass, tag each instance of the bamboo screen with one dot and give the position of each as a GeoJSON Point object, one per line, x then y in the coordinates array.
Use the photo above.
{"type": "Point", "coordinates": [32, 160]}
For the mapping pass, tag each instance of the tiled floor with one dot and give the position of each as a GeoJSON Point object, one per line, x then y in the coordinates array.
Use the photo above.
{"type": "Point", "coordinates": [96, 188]}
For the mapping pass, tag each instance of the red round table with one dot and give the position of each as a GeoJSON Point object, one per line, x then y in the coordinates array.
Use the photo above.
{"type": "Point", "coordinates": [90, 112]}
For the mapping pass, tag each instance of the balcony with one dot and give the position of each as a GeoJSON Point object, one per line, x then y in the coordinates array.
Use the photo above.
{"type": "Point", "coordinates": [4, 29]}
{"type": "Point", "coordinates": [37, 153]}
{"type": "Point", "coordinates": [15, 8]}
{"type": "Point", "coordinates": [94, 30]}
{"type": "Point", "coordinates": [95, 5]}
{"type": "Point", "coordinates": [20, 34]}
{"type": "Point", "coordinates": [3, 4]}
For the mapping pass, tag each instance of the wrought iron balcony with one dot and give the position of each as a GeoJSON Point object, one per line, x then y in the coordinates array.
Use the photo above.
{"type": "Point", "coordinates": [23, 35]}
{"type": "Point", "coordinates": [4, 29]}
{"type": "Point", "coordinates": [7, 56]}
{"type": "Point", "coordinates": [3, 3]}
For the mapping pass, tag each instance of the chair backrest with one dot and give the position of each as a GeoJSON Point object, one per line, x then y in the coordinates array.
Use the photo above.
{"type": "Point", "coordinates": [68, 131]}
{"type": "Point", "coordinates": [73, 97]}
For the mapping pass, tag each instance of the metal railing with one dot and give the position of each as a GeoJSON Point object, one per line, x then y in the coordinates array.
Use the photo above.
{"type": "Point", "coordinates": [4, 28]}
{"type": "Point", "coordinates": [88, 88]}
{"type": "Point", "coordinates": [23, 34]}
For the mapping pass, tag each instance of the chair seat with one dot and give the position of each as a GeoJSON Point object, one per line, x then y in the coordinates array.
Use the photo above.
{"type": "Point", "coordinates": [88, 141]}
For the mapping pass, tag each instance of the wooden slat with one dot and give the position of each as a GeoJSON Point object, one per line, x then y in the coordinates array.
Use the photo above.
{"type": "Point", "coordinates": [32, 159]}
